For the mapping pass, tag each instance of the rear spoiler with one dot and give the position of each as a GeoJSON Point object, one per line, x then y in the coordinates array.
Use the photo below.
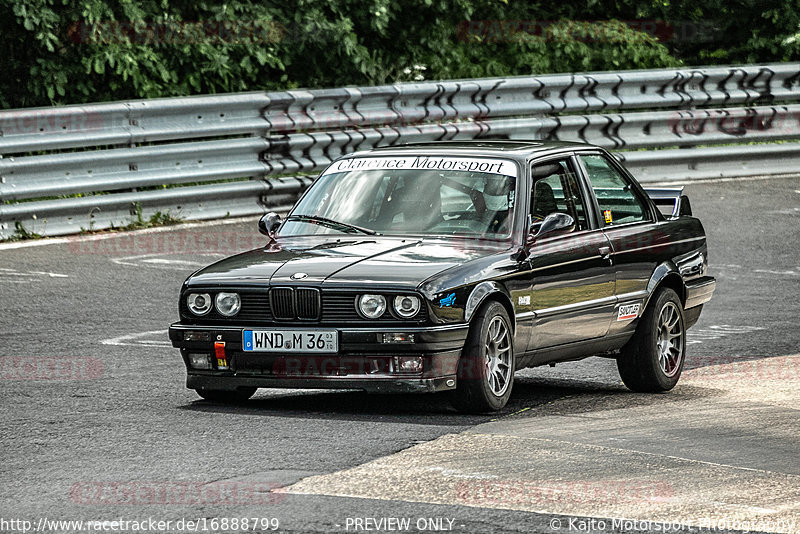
{"type": "Point", "coordinates": [671, 202]}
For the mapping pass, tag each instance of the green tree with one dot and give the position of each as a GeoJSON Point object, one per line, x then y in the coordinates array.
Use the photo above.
{"type": "Point", "coordinates": [73, 51]}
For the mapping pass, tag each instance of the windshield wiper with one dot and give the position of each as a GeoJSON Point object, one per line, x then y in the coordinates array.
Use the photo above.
{"type": "Point", "coordinates": [331, 223]}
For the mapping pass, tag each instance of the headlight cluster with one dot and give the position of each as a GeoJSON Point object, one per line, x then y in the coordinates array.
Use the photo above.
{"type": "Point", "coordinates": [373, 306]}
{"type": "Point", "coordinates": [227, 304]}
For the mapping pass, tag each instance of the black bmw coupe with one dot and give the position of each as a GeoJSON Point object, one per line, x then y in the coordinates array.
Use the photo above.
{"type": "Point", "coordinates": [448, 267]}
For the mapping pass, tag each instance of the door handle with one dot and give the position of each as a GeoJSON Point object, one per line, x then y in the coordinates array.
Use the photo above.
{"type": "Point", "coordinates": [605, 252]}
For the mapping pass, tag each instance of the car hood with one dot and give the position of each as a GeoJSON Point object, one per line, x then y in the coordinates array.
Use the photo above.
{"type": "Point", "coordinates": [345, 261]}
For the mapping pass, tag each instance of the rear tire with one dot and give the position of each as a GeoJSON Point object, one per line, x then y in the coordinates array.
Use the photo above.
{"type": "Point", "coordinates": [226, 396]}
{"type": "Point", "coordinates": [652, 361]}
{"type": "Point", "coordinates": [486, 367]}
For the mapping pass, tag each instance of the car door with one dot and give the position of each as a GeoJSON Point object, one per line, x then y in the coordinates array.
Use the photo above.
{"type": "Point", "coordinates": [572, 279]}
{"type": "Point", "coordinates": [629, 222]}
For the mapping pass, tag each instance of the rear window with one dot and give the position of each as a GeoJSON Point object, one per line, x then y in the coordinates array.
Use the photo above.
{"type": "Point", "coordinates": [618, 201]}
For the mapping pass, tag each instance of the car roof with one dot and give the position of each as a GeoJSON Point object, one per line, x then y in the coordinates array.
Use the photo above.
{"type": "Point", "coordinates": [516, 149]}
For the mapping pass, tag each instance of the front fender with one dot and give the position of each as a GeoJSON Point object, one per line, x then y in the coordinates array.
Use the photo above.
{"type": "Point", "coordinates": [483, 291]}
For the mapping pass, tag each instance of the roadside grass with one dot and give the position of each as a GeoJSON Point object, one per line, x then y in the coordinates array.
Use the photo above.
{"type": "Point", "coordinates": [21, 234]}
{"type": "Point", "coordinates": [138, 223]}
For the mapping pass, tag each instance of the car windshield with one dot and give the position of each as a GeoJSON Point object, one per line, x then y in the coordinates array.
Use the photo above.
{"type": "Point", "coordinates": [417, 195]}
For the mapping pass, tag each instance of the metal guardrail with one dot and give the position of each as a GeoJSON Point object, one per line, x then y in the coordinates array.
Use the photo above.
{"type": "Point", "coordinates": [214, 201]}
{"type": "Point", "coordinates": [126, 168]}
{"type": "Point", "coordinates": [713, 162]}
{"type": "Point", "coordinates": [109, 152]}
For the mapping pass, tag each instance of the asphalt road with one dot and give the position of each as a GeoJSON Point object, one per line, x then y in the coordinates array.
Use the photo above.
{"type": "Point", "coordinates": [96, 423]}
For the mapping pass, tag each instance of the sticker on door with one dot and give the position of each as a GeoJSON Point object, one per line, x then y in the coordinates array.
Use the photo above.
{"type": "Point", "coordinates": [627, 312]}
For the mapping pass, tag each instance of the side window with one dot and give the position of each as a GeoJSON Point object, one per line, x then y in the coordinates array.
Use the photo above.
{"type": "Point", "coordinates": [618, 202]}
{"type": "Point", "coordinates": [555, 189]}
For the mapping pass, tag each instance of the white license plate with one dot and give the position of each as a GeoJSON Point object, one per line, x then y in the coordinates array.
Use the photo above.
{"type": "Point", "coordinates": [297, 341]}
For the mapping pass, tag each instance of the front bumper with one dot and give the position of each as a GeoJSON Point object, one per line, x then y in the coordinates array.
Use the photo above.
{"type": "Point", "coordinates": [363, 362]}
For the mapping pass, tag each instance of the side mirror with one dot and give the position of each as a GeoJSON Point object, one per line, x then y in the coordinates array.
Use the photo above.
{"type": "Point", "coordinates": [269, 223]}
{"type": "Point", "coordinates": [555, 222]}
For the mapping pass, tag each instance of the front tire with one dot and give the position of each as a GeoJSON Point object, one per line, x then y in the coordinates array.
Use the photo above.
{"type": "Point", "coordinates": [486, 366]}
{"type": "Point", "coordinates": [652, 361]}
{"type": "Point", "coordinates": [226, 396]}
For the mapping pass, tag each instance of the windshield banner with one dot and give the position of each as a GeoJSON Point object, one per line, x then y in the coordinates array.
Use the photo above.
{"type": "Point", "coordinates": [428, 163]}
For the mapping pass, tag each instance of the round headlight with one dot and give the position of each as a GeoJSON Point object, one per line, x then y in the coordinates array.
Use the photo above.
{"type": "Point", "coordinates": [406, 306]}
{"type": "Point", "coordinates": [228, 304]}
{"type": "Point", "coordinates": [199, 303]}
{"type": "Point", "coordinates": [372, 306]}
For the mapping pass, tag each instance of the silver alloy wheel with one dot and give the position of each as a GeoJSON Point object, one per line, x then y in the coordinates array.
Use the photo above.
{"type": "Point", "coordinates": [498, 357]}
{"type": "Point", "coordinates": [669, 343]}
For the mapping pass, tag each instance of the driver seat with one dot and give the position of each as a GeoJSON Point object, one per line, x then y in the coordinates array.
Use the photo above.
{"type": "Point", "coordinates": [420, 203]}
{"type": "Point", "coordinates": [544, 200]}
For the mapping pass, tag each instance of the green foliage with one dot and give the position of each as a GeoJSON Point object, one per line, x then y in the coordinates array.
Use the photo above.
{"type": "Point", "coordinates": [732, 32]}
{"type": "Point", "coordinates": [498, 49]}
{"type": "Point", "coordinates": [20, 233]}
{"type": "Point", "coordinates": [139, 222]}
{"type": "Point", "coordinates": [73, 51]}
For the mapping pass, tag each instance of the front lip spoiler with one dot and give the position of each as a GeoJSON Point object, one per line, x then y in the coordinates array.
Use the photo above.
{"type": "Point", "coordinates": [381, 384]}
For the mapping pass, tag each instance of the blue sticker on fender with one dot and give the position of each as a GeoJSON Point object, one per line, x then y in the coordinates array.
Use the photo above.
{"type": "Point", "coordinates": [447, 301]}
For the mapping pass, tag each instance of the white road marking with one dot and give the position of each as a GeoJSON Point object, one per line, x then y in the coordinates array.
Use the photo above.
{"type": "Point", "coordinates": [158, 261]}
{"type": "Point", "coordinates": [787, 211]}
{"type": "Point", "coordinates": [25, 277]}
{"type": "Point", "coordinates": [34, 243]}
{"type": "Point", "coordinates": [717, 332]}
{"type": "Point", "coordinates": [134, 340]}
{"type": "Point", "coordinates": [164, 261]}
{"type": "Point", "coordinates": [779, 273]}
{"type": "Point", "coordinates": [746, 508]}
{"type": "Point", "coordinates": [51, 275]}
{"type": "Point", "coordinates": [735, 329]}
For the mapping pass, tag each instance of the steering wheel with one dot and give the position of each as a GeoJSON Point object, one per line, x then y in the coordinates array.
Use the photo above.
{"type": "Point", "coordinates": [459, 225]}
